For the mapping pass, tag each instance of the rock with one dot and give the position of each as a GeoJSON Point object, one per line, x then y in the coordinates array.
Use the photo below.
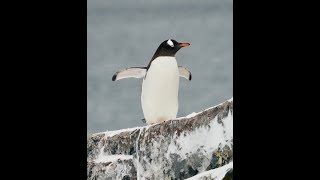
{"type": "Point", "coordinates": [175, 149]}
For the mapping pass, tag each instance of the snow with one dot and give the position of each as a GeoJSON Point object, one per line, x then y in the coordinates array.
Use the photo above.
{"type": "Point", "coordinates": [114, 168]}
{"type": "Point", "coordinates": [191, 115]}
{"type": "Point", "coordinates": [216, 174]}
{"type": "Point", "coordinates": [201, 141]}
{"type": "Point", "coordinates": [112, 158]}
{"type": "Point", "coordinates": [228, 124]}
{"type": "Point", "coordinates": [112, 133]}
{"type": "Point", "coordinates": [209, 138]}
{"type": "Point", "coordinates": [188, 116]}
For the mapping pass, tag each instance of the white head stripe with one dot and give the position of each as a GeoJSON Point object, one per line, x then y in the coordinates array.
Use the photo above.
{"type": "Point", "coordinates": [170, 43]}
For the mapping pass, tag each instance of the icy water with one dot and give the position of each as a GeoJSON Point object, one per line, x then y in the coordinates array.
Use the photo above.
{"type": "Point", "coordinates": [126, 33]}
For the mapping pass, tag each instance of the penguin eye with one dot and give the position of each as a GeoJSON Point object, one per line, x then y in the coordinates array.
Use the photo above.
{"type": "Point", "coordinates": [170, 43]}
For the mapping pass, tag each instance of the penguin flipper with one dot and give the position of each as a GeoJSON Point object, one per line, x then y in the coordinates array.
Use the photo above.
{"type": "Point", "coordinates": [131, 72]}
{"type": "Point", "coordinates": [185, 73]}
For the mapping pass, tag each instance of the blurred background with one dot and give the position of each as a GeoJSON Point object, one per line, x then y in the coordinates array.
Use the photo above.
{"type": "Point", "coordinates": [126, 33]}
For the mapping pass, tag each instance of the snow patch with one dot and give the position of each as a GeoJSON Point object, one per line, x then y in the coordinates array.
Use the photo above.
{"type": "Point", "coordinates": [111, 158]}
{"type": "Point", "coordinates": [206, 139]}
{"type": "Point", "coordinates": [191, 115]}
{"type": "Point", "coordinates": [112, 133]}
{"type": "Point", "coordinates": [228, 124]}
{"type": "Point", "coordinates": [188, 116]}
{"type": "Point", "coordinates": [216, 174]}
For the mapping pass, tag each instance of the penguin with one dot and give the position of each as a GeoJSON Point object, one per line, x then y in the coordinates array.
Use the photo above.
{"type": "Point", "coordinates": [160, 85]}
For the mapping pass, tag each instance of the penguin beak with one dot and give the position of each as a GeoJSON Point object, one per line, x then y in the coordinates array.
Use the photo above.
{"type": "Point", "coordinates": [183, 44]}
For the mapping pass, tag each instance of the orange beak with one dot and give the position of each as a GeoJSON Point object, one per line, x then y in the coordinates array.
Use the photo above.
{"type": "Point", "coordinates": [184, 44]}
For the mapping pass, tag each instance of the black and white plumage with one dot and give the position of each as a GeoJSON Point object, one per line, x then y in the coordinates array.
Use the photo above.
{"type": "Point", "coordinates": [160, 86]}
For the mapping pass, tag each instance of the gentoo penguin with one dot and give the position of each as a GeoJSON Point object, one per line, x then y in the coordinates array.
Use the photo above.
{"type": "Point", "coordinates": [160, 86]}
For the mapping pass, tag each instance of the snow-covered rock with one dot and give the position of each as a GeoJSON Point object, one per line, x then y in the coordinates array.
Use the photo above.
{"type": "Point", "coordinates": [199, 144]}
{"type": "Point", "coordinates": [221, 173]}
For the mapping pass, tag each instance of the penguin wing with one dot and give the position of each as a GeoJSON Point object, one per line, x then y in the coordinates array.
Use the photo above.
{"type": "Point", "coordinates": [132, 72]}
{"type": "Point", "coordinates": [185, 73]}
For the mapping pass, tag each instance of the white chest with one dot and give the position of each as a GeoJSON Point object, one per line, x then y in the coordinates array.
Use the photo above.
{"type": "Point", "coordinates": [160, 88]}
{"type": "Point", "coordinates": [163, 68]}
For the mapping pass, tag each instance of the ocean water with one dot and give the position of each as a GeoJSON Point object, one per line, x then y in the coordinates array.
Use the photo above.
{"type": "Point", "coordinates": [126, 33]}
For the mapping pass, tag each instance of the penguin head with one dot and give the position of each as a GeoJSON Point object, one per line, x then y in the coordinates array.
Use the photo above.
{"type": "Point", "coordinates": [169, 47]}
